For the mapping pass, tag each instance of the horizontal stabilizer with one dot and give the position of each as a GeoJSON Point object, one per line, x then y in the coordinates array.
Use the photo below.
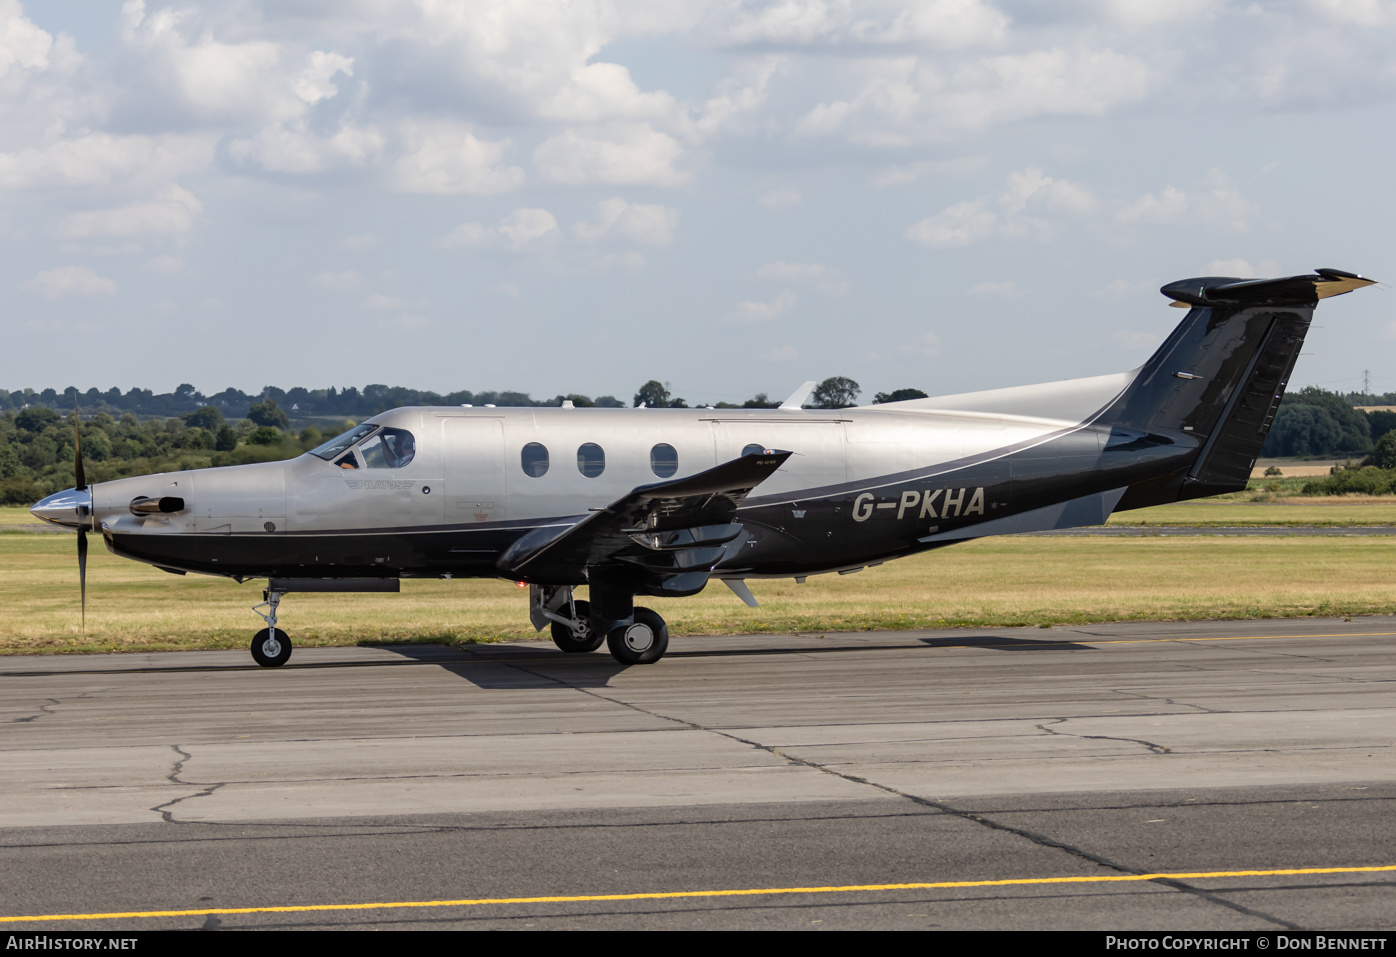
{"type": "Point", "coordinates": [673, 526]}
{"type": "Point", "coordinates": [1289, 291]}
{"type": "Point", "coordinates": [1076, 513]}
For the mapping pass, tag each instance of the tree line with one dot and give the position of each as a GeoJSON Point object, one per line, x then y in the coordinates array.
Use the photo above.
{"type": "Point", "coordinates": [37, 438]}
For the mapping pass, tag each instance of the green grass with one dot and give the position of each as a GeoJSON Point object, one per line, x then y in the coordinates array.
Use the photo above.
{"type": "Point", "coordinates": [990, 583]}
{"type": "Point", "coordinates": [1331, 510]}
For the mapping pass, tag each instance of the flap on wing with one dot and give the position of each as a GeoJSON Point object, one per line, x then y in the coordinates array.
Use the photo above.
{"type": "Point", "coordinates": [670, 517]}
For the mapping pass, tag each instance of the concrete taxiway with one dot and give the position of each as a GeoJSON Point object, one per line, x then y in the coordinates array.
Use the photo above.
{"type": "Point", "coordinates": [746, 781]}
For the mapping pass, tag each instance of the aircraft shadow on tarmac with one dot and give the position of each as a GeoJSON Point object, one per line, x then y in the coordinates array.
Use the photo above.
{"type": "Point", "coordinates": [1004, 643]}
{"type": "Point", "coordinates": [515, 667]}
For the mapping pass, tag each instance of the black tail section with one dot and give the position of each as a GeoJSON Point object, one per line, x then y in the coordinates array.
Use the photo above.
{"type": "Point", "coordinates": [1221, 374]}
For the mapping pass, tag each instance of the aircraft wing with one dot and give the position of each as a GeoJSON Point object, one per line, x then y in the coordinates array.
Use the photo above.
{"type": "Point", "coordinates": [661, 532]}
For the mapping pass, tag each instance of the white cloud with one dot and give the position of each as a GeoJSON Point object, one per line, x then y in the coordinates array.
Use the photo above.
{"type": "Point", "coordinates": [346, 281]}
{"type": "Point", "coordinates": [1005, 290]}
{"type": "Point", "coordinates": [1217, 204]}
{"type": "Point", "coordinates": [1029, 190]}
{"type": "Point", "coordinates": [650, 225]}
{"type": "Point", "coordinates": [360, 243]}
{"type": "Point", "coordinates": [405, 322]}
{"type": "Point", "coordinates": [524, 226]}
{"type": "Point", "coordinates": [1055, 81]}
{"type": "Point", "coordinates": [619, 153]}
{"type": "Point", "coordinates": [379, 301]}
{"type": "Point", "coordinates": [781, 197]}
{"type": "Point", "coordinates": [604, 91]}
{"type": "Point", "coordinates": [752, 311]}
{"type": "Point", "coordinates": [782, 353]}
{"type": "Point", "coordinates": [101, 159]}
{"type": "Point", "coordinates": [173, 212]}
{"type": "Point", "coordinates": [957, 225]}
{"type": "Point", "coordinates": [825, 279]}
{"type": "Point", "coordinates": [164, 264]}
{"type": "Point", "coordinates": [22, 43]}
{"type": "Point", "coordinates": [209, 77]}
{"type": "Point", "coordinates": [1241, 269]}
{"type": "Point", "coordinates": [521, 229]}
{"type": "Point", "coordinates": [70, 281]}
{"type": "Point", "coordinates": [911, 172]}
{"type": "Point", "coordinates": [292, 148]}
{"type": "Point", "coordinates": [1120, 288]}
{"type": "Point", "coordinates": [1135, 341]}
{"type": "Point", "coordinates": [469, 234]}
{"type": "Point", "coordinates": [626, 260]}
{"type": "Point", "coordinates": [928, 344]}
{"type": "Point", "coordinates": [1032, 187]}
{"type": "Point", "coordinates": [313, 84]}
{"type": "Point", "coordinates": [448, 159]}
{"type": "Point", "coordinates": [936, 24]}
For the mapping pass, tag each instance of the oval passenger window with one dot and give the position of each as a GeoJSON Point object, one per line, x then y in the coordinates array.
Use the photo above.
{"type": "Point", "coordinates": [591, 460]}
{"type": "Point", "coordinates": [535, 460]}
{"type": "Point", "coordinates": [754, 450]}
{"type": "Point", "coordinates": [664, 460]}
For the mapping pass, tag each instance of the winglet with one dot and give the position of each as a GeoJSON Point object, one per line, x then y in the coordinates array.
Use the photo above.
{"type": "Point", "coordinates": [798, 397]}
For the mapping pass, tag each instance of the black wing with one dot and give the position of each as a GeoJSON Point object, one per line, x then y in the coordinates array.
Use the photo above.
{"type": "Point", "coordinates": [664, 532]}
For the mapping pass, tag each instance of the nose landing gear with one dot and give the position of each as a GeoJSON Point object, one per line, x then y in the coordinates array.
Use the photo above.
{"type": "Point", "coordinates": [271, 647]}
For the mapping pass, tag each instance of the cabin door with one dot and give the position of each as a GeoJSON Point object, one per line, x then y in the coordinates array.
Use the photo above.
{"type": "Point", "coordinates": [474, 485]}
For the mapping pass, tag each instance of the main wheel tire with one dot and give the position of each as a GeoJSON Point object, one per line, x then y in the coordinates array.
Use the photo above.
{"type": "Point", "coordinates": [271, 650]}
{"type": "Point", "coordinates": [641, 643]}
{"type": "Point", "coordinates": [569, 641]}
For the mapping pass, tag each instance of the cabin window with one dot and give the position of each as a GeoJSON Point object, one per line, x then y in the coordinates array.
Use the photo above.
{"type": "Point", "coordinates": [389, 449]}
{"type": "Point", "coordinates": [535, 460]}
{"type": "Point", "coordinates": [339, 443]}
{"type": "Point", "coordinates": [591, 460]}
{"type": "Point", "coordinates": [664, 460]}
{"type": "Point", "coordinates": [754, 450]}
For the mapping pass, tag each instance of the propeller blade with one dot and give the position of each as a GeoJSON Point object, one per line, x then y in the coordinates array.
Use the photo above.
{"type": "Point", "coordinates": [77, 452]}
{"type": "Point", "coordinates": [82, 575]}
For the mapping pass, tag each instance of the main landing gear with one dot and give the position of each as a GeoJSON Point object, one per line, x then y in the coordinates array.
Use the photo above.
{"type": "Point", "coordinates": [271, 647]}
{"type": "Point", "coordinates": [634, 636]}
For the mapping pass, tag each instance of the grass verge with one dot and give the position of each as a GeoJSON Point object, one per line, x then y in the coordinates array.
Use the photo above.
{"type": "Point", "coordinates": [989, 583]}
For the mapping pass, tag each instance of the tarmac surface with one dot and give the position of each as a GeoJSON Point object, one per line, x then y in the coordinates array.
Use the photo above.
{"type": "Point", "coordinates": [1177, 776]}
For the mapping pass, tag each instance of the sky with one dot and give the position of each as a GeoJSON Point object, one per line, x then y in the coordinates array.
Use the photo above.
{"type": "Point", "coordinates": [729, 197]}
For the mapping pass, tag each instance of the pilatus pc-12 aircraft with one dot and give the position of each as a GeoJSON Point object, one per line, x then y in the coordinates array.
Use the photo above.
{"type": "Point", "coordinates": [656, 502]}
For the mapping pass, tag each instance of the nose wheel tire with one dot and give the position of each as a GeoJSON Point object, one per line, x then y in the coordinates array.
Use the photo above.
{"type": "Point", "coordinates": [271, 648]}
{"type": "Point", "coordinates": [576, 642]}
{"type": "Point", "coordinates": [641, 643]}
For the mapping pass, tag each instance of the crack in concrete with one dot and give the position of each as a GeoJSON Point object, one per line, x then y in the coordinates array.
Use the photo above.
{"type": "Point", "coordinates": [43, 710]}
{"type": "Point", "coordinates": [1176, 704]}
{"type": "Point", "coordinates": [48, 708]}
{"type": "Point", "coordinates": [173, 777]}
{"type": "Point", "coordinates": [1155, 748]}
{"type": "Point", "coordinates": [1041, 840]}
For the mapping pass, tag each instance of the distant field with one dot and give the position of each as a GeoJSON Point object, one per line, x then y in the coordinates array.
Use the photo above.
{"type": "Point", "coordinates": [1294, 510]}
{"type": "Point", "coordinates": [995, 582]}
{"type": "Point", "coordinates": [1294, 467]}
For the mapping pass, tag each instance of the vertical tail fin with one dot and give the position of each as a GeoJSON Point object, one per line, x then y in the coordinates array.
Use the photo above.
{"type": "Point", "coordinates": [1221, 374]}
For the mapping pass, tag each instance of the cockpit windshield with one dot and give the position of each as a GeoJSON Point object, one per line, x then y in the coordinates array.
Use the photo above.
{"type": "Point", "coordinates": [389, 449]}
{"type": "Point", "coordinates": [338, 444]}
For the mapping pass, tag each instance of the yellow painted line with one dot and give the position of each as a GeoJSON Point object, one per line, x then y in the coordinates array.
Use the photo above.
{"type": "Point", "coordinates": [674, 895]}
